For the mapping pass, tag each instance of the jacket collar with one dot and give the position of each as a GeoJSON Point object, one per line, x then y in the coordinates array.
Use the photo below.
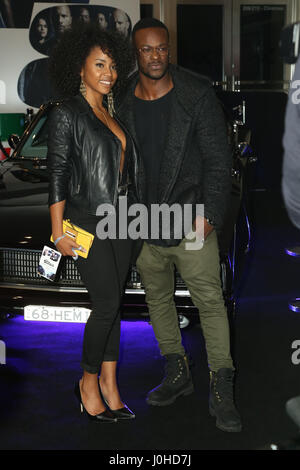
{"type": "Point", "coordinates": [81, 103]}
{"type": "Point", "coordinates": [83, 107]}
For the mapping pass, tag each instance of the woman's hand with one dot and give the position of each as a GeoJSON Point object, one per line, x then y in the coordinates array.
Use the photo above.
{"type": "Point", "coordinates": [65, 246]}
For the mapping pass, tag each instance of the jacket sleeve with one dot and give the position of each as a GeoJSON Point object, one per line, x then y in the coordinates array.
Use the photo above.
{"type": "Point", "coordinates": [216, 157]}
{"type": "Point", "coordinates": [59, 152]}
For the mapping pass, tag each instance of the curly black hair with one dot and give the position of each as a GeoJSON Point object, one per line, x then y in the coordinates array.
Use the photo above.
{"type": "Point", "coordinates": [74, 46]}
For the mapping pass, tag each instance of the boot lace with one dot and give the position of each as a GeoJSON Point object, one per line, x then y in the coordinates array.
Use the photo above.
{"type": "Point", "coordinates": [223, 388]}
{"type": "Point", "coordinates": [173, 370]}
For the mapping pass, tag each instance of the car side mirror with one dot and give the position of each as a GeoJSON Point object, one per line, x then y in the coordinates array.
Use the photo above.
{"type": "Point", "coordinates": [13, 141]}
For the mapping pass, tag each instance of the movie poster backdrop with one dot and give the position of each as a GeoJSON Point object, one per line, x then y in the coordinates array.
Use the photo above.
{"type": "Point", "coordinates": [28, 32]}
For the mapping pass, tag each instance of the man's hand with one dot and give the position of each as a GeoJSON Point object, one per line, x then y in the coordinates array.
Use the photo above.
{"type": "Point", "coordinates": [202, 227]}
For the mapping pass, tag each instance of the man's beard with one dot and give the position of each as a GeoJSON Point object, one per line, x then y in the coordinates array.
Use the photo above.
{"type": "Point", "coordinates": [157, 77]}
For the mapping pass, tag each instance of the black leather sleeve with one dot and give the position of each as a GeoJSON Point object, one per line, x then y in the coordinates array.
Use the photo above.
{"type": "Point", "coordinates": [59, 153]}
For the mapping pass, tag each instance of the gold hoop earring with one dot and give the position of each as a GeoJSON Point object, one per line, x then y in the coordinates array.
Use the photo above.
{"type": "Point", "coordinates": [82, 88]}
{"type": "Point", "coordinates": [110, 104]}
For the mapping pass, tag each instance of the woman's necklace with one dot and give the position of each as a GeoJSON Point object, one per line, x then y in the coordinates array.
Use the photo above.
{"type": "Point", "coordinates": [106, 120]}
{"type": "Point", "coordinates": [102, 112]}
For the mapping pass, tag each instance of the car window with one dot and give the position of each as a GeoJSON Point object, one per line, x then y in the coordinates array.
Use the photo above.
{"type": "Point", "coordinates": [36, 143]}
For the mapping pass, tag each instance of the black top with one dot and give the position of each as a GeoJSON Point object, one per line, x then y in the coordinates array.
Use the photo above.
{"type": "Point", "coordinates": [151, 123]}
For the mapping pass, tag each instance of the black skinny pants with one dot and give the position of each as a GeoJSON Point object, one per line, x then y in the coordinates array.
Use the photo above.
{"type": "Point", "coordinates": [104, 273]}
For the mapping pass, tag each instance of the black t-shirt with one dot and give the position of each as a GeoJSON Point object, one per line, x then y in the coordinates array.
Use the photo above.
{"type": "Point", "coordinates": [151, 124]}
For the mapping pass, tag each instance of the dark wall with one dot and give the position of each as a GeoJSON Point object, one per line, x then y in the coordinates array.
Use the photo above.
{"type": "Point", "coordinates": [265, 112]}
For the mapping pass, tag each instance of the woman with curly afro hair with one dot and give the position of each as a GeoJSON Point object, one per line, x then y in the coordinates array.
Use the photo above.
{"type": "Point", "coordinates": [92, 161]}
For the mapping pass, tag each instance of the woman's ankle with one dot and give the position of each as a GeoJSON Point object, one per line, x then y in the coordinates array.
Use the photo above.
{"type": "Point", "coordinates": [89, 382]}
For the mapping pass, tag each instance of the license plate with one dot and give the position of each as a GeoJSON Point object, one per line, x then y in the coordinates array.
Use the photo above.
{"type": "Point", "coordinates": [56, 314]}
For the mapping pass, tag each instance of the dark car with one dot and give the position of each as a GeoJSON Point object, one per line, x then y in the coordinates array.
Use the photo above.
{"type": "Point", "coordinates": [26, 229]}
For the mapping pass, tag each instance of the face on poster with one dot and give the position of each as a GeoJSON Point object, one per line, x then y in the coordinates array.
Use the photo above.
{"type": "Point", "coordinates": [28, 35]}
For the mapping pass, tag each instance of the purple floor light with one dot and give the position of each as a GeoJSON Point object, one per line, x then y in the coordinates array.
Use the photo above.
{"type": "Point", "coordinates": [294, 251]}
{"type": "Point", "coordinates": [295, 305]}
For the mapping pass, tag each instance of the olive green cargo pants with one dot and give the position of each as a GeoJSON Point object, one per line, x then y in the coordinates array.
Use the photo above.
{"type": "Point", "coordinates": [200, 270]}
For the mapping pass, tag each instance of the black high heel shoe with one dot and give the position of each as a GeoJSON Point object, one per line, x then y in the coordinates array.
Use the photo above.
{"type": "Point", "coordinates": [104, 417]}
{"type": "Point", "coordinates": [120, 413]}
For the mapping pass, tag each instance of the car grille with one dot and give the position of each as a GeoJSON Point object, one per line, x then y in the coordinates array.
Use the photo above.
{"type": "Point", "coordinates": [20, 266]}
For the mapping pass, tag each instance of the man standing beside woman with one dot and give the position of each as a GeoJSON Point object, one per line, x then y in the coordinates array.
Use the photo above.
{"type": "Point", "coordinates": [178, 125]}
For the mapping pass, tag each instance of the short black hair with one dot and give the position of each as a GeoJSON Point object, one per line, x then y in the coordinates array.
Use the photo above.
{"type": "Point", "coordinates": [148, 23]}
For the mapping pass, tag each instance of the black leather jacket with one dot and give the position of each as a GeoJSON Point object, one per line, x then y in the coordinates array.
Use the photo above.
{"type": "Point", "coordinates": [84, 158]}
